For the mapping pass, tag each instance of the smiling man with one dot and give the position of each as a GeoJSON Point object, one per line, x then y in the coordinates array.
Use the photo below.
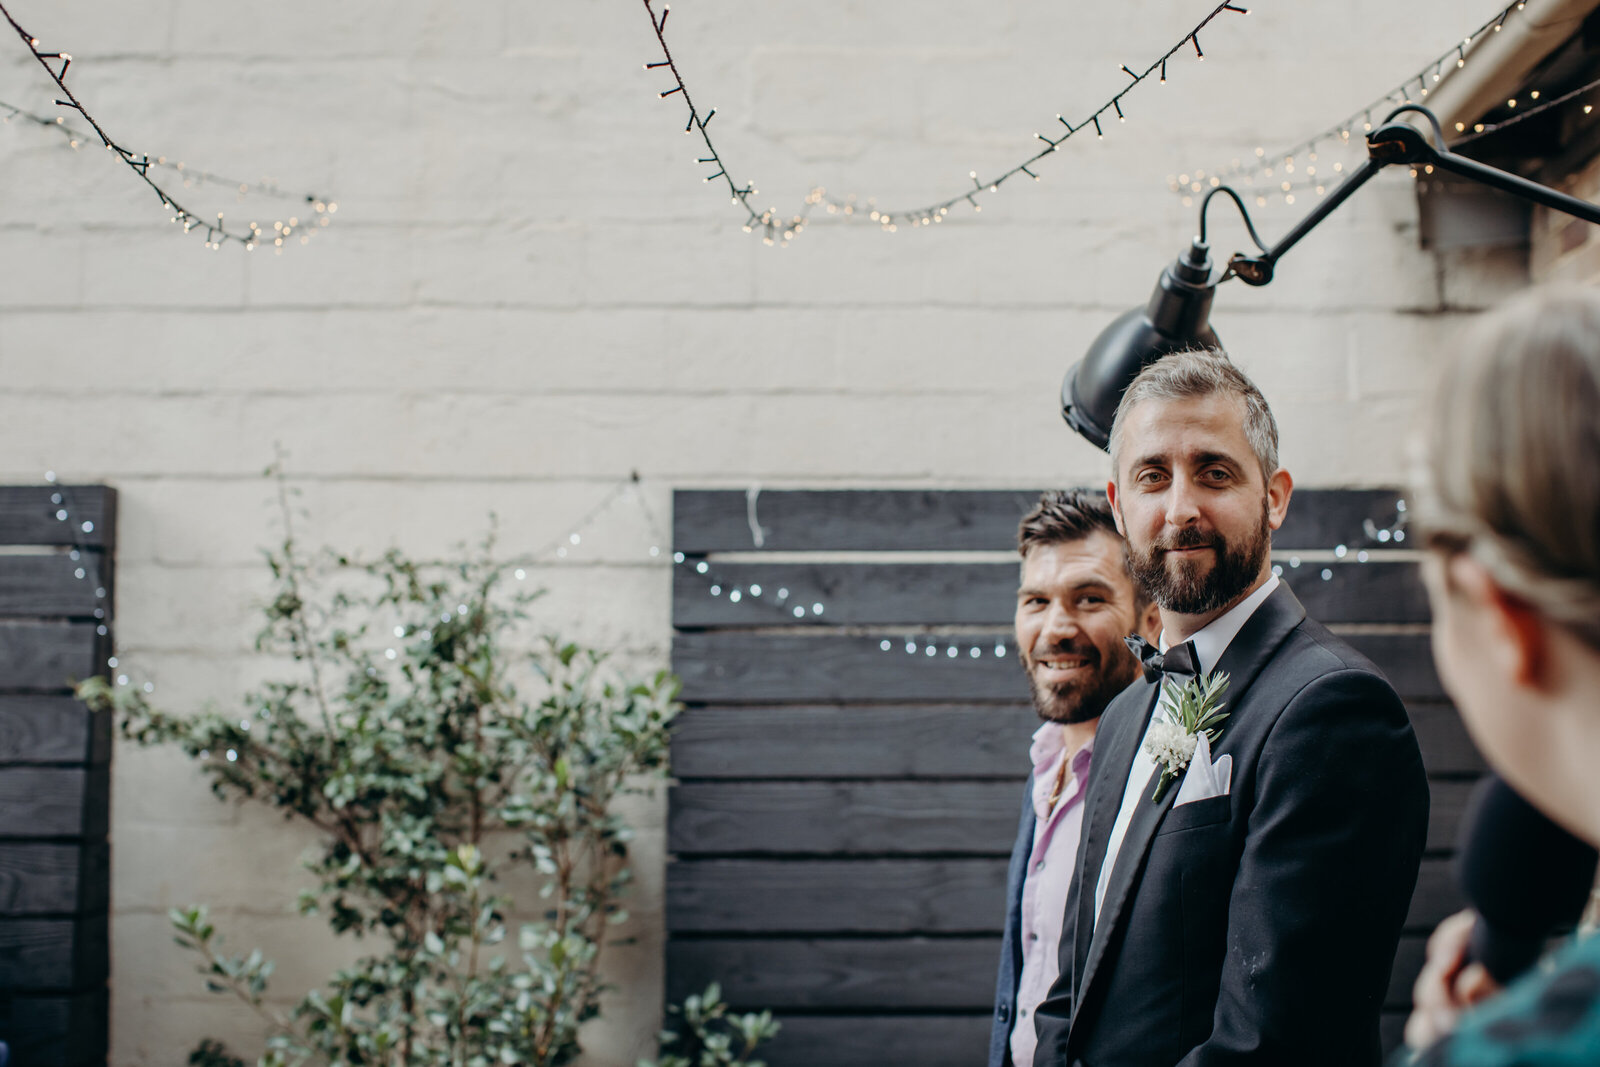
{"type": "Point", "coordinates": [1239, 898]}
{"type": "Point", "coordinates": [1076, 603]}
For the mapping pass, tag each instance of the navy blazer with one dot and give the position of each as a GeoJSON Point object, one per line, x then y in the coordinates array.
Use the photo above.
{"type": "Point", "coordinates": [1005, 986]}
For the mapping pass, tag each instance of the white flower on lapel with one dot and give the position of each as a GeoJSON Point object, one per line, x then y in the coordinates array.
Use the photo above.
{"type": "Point", "coordinates": [1195, 709]}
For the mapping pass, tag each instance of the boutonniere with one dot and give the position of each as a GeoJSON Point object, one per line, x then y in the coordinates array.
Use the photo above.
{"type": "Point", "coordinates": [1196, 708]}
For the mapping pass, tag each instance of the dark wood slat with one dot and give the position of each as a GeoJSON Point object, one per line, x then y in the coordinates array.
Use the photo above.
{"type": "Point", "coordinates": [44, 955]}
{"type": "Point", "coordinates": [930, 741]}
{"type": "Point", "coordinates": [54, 801]}
{"type": "Point", "coordinates": [1436, 897]}
{"type": "Point", "coordinates": [836, 896]}
{"type": "Point", "coordinates": [891, 818]}
{"type": "Point", "coordinates": [54, 879]}
{"type": "Point", "coordinates": [46, 656]}
{"type": "Point", "coordinates": [892, 896]}
{"type": "Point", "coordinates": [924, 741]}
{"type": "Point", "coordinates": [48, 585]}
{"type": "Point", "coordinates": [1405, 659]}
{"type": "Point", "coordinates": [879, 1041]}
{"type": "Point", "coordinates": [983, 594]}
{"type": "Point", "coordinates": [52, 729]}
{"type": "Point", "coordinates": [28, 515]}
{"type": "Point", "coordinates": [1408, 962]}
{"type": "Point", "coordinates": [956, 520]}
{"type": "Point", "coordinates": [1391, 1028]}
{"type": "Point", "coordinates": [789, 668]}
{"type": "Point", "coordinates": [843, 817]}
{"type": "Point", "coordinates": [57, 1031]}
{"type": "Point", "coordinates": [1446, 746]}
{"type": "Point", "coordinates": [893, 974]}
{"type": "Point", "coordinates": [885, 974]}
{"type": "Point", "coordinates": [723, 668]}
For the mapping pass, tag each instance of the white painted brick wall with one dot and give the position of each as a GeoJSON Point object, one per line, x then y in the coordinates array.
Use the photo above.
{"type": "Point", "coordinates": [528, 292]}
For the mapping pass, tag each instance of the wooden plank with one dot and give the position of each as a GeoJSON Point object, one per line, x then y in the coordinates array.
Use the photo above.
{"type": "Point", "coordinates": [820, 817]}
{"type": "Point", "coordinates": [743, 668]}
{"type": "Point", "coordinates": [920, 1040]}
{"type": "Point", "coordinates": [805, 668]}
{"type": "Point", "coordinates": [52, 729]}
{"type": "Point", "coordinates": [1405, 659]}
{"type": "Point", "coordinates": [57, 1031]}
{"type": "Point", "coordinates": [1446, 746]}
{"type": "Point", "coordinates": [48, 585]}
{"type": "Point", "coordinates": [879, 1040]}
{"type": "Point", "coordinates": [1391, 1028]}
{"type": "Point", "coordinates": [892, 741]}
{"type": "Point", "coordinates": [893, 974]}
{"type": "Point", "coordinates": [54, 801]}
{"type": "Point", "coordinates": [966, 896]}
{"type": "Point", "coordinates": [981, 594]}
{"type": "Point", "coordinates": [957, 520]}
{"type": "Point", "coordinates": [1436, 897]}
{"type": "Point", "coordinates": [922, 741]}
{"type": "Point", "coordinates": [28, 515]}
{"type": "Point", "coordinates": [1408, 962]}
{"type": "Point", "coordinates": [44, 955]}
{"type": "Point", "coordinates": [891, 896]}
{"type": "Point", "coordinates": [47, 656]}
{"type": "Point", "coordinates": [54, 879]}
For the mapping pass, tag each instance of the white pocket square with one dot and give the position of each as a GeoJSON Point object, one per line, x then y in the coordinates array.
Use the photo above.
{"type": "Point", "coordinates": [1205, 779]}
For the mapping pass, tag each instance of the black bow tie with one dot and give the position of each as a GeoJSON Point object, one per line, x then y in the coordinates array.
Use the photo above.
{"type": "Point", "coordinates": [1180, 659]}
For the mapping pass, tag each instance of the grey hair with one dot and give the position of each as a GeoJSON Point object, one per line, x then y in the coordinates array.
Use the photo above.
{"type": "Point", "coordinates": [1512, 468]}
{"type": "Point", "coordinates": [1195, 374]}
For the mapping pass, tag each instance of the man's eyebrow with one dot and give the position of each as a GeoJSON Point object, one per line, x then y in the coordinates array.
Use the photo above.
{"type": "Point", "coordinates": [1077, 587]}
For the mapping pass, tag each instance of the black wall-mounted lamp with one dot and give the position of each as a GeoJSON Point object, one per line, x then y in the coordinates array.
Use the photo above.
{"type": "Point", "coordinates": [1178, 316]}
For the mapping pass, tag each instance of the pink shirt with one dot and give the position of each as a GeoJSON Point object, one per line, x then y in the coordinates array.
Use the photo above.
{"type": "Point", "coordinates": [1044, 887]}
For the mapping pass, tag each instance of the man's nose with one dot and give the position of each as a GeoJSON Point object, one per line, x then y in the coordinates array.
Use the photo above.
{"type": "Point", "coordinates": [1183, 502]}
{"type": "Point", "coordinates": [1060, 623]}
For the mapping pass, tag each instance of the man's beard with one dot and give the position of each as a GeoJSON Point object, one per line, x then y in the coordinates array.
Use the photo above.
{"type": "Point", "coordinates": [1081, 699]}
{"type": "Point", "coordinates": [1181, 586]}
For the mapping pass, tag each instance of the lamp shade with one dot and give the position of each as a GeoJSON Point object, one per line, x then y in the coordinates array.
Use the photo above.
{"type": "Point", "coordinates": [1177, 319]}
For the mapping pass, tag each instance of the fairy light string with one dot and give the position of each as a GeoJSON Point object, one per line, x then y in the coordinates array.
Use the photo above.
{"type": "Point", "coordinates": [1278, 170]}
{"type": "Point", "coordinates": [778, 229]}
{"type": "Point", "coordinates": [217, 233]}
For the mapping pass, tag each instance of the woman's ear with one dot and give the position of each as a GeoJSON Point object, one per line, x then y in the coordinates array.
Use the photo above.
{"type": "Point", "coordinates": [1518, 632]}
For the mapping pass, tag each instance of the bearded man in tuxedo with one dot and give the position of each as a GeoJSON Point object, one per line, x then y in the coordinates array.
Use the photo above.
{"type": "Point", "coordinates": [1246, 911]}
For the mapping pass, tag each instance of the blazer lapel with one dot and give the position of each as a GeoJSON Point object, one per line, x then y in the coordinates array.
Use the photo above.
{"type": "Point", "coordinates": [1120, 746]}
{"type": "Point", "coordinates": [1250, 650]}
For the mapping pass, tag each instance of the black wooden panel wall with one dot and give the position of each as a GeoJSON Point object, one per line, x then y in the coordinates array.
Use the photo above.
{"type": "Point", "coordinates": [844, 807]}
{"type": "Point", "coordinates": [56, 553]}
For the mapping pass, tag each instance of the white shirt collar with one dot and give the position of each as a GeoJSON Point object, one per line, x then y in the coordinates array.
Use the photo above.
{"type": "Point", "coordinates": [1212, 640]}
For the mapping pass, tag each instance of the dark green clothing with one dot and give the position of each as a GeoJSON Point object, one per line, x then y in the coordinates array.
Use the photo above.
{"type": "Point", "coordinates": [1548, 1018]}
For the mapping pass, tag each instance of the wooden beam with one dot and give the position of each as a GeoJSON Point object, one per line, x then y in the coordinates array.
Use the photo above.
{"type": "Point", "coordinates": [947, 520]}
{"type": "Point", "coordinates": [28, 515]}
{"type": "Point", "coordinates": [803, 668]}
{"type": "Point", "coordinates": [982, 594]}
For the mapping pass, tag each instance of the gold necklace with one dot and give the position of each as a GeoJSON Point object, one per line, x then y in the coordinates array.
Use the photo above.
{"type": "Point", "coordinates": [1061, 782]}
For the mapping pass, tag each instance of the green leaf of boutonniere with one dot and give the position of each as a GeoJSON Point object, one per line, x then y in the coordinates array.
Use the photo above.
{"type": "Point", "coordinates": [1193, 709]}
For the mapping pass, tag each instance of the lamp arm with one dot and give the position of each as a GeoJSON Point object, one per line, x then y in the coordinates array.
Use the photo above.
{"type": "Point", "coordinates": [1399, 142]}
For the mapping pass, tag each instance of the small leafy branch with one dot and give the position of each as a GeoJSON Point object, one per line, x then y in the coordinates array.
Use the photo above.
{"type": "Point", "coordinates": [708, 1036]}
{"type": "Point", "coordinates": [420, 745]}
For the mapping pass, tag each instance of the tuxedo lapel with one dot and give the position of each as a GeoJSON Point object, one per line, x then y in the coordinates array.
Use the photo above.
{"type": "Point", "coordinates": [1250, 651]}
{"type": "Point", "coordinates": [1122, 743]}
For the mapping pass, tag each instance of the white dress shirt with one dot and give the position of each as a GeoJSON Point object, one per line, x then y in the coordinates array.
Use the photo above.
{"type": "Point", "coordinates": [1210, 643]}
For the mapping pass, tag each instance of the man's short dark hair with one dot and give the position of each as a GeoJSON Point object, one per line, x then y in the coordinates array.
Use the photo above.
{"type": "Point", "coordinates": [1062, 516]}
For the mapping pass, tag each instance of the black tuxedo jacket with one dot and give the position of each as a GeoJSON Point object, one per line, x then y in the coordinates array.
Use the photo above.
{"type": "Point", "coordinates": [1257, 928]}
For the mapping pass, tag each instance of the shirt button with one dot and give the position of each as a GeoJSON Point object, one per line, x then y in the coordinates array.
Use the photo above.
{"type": "Point", "coordinates": [1039, 866]}
{"type": "Point", "coordinates": [1033, 937]}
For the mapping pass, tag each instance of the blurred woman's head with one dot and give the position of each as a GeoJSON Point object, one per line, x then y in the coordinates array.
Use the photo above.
{"type": "Point", "coordinates": [1509, 509]}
